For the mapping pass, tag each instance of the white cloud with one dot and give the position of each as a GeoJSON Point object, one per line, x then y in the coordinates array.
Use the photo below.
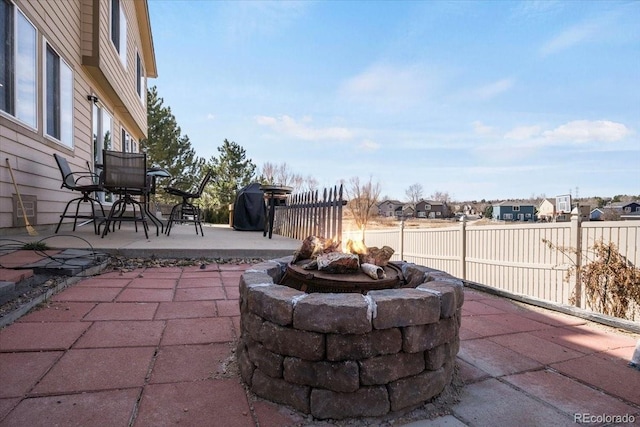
{"type": "Point", "coordinates": [582, 131]}
{"type": "Point", "coordinates": [389, 86]}
{"type": "Point", "coordinates": [287, 125]}
{"type": "Point", "coordinates": [256, 18]}
{"type": "Point", "coordinates": [482, 129]}
{"type": "Point", "coordinates": [523, 132]}
{"type": "Point", "coordinates": [570, 37]}
{"type": "Point", "coordinates": [493, 89]}
{"type": "Point", "coordinates": [369, 145]}
{"type": "Point", "coordinates": [211, 116]}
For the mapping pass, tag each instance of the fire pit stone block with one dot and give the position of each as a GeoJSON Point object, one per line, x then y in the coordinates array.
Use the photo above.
{"type": "Point", "coordinates": [274, 302]}
{"type": "Point", "coordinates": [446, 295]}
{"type": "Point", "coordinates": [366, 402]}
{"type": "Point", "coordinates": [364, 346]}
{"type": "Point", "coordinates": [333, 313]}
{"type": "Point", "coordinates": [404, 307]}
{"type": "Point", "coordinates": [344, 355]}
{"type": "Point", "coordinates": [415, 390]}
{"type": "Point", "coordinates": [292, 342]}
{"type": "Point", "coordinates": [391, 367]}
{"type": "Point", "coordinates": [336, 376]}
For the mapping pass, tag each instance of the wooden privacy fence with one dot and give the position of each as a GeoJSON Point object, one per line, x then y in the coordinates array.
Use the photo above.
{"type": "Point", "coordinates": [306, 214]}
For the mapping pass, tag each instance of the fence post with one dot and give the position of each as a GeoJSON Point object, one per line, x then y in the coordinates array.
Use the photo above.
{"type": "Point", "coordinates": [576, 242]}
{"type": "Point", "coordinates": [463, 248]}
{"type": "Point", "coordinates": [402, 239]}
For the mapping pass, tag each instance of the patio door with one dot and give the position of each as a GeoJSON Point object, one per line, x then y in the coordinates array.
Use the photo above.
{"type": "Point", "coordinates": [102, 131]}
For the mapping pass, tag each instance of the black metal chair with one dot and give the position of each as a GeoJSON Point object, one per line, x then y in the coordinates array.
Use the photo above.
{"type": "Point", "coordinates": [85, 182]}
{"type": "Point", "coordinates": [186, 211]}
{"type": "Point", "coordinates": [125, 174]}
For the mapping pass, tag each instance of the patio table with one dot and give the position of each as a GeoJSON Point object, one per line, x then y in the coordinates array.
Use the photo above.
{"type": "Point", "coordinates": [273, 194]}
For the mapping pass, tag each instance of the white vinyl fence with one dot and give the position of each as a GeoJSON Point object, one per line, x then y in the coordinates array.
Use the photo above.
{"type": "Point", "coordinates": [511, 257]}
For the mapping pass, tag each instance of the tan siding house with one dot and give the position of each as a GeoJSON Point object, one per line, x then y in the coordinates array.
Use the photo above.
{"type": "Point", "coordinates": [72, 81]}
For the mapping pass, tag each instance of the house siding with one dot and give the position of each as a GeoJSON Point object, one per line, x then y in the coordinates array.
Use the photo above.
{"type": "Point", "coordinates": [70, 28]}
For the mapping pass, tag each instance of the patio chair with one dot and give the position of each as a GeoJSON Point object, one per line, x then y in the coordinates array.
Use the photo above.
{"type": "Point", "coordinates": [125, 174]}
{"type": "Point", "coordinates": [186, 211]}
{"type": "Point", "coordinates": [84, 182]}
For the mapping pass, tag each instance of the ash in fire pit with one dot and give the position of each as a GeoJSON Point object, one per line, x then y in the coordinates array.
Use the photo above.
{"type": "Point", "coordinates": [347, 355]}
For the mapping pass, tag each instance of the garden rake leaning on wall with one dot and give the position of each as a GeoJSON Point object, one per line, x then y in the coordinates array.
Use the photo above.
{"type": "Point", "coordinates": [32, 231]}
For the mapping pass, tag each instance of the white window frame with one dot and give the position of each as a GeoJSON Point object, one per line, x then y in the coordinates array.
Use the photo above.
{"type": "Point", "coordinates": [129, 144]}
{"type": "Point", "coordinates": [22, 80]}
{"type": "Point", "coordinates": [507, 216]}
{"type": "Point", "coordinates": [141, 81]}
{"type": "Point", "coordinates": [118, 22]}
{"type": "Point", "coordinates": [516, 208]}
{"type": "Point", "coordinates": [101, 126]}
{"type": "Point", "coordinates": [63, 93]}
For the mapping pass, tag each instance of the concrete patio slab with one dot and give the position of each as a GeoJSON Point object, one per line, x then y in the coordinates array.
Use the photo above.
{"type": "Point", "coordinates": [19, 372]}
{"type": "Point", "coordinates": [24, 336]}
{"type": "Point", "coordinates": [493, 403]}
{"type": "Point", "coordinates": [538, 349]}
{"type": "Point", "coordinates": [183, 363]}
{"type": "Point", "coordinates": [82, 370]}
{"type": "Point", "coordinates": [130, 333]}
{"type": "Point", "coordinates": [198, 331]}
{"type": "Point", "coordinates": [612, 376]}
{"type": "Point", "coordinates": [145, 295]}
{"type": "Point", "coordinates": [568, 395]}
{"type": "Point", "coordinates": [495, 359]}
{"type": "Point", "coordinates": [200, 294]}
{"type": "Point", "coordinates": [59, 312]}
{"type": "Point", "coordinates": [186, 310]}
{"type": "Point", "coordinates": [123, 311]}
{"type": "Point", "coordinates": [107, 408]}
{"type": "Point", "coordinates": [196, 403]}
{"type": "Point", "coordinates": [84, 294]}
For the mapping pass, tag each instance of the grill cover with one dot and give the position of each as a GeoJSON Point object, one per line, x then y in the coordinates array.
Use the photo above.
{"type": "Point", "coordinates": [249, 210]}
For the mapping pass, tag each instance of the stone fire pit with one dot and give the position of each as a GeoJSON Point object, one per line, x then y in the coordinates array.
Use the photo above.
{"type": "Point", "coordinates": [346, 355]}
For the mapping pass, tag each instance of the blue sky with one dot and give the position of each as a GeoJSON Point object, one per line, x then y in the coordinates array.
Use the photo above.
{"type": "Point", "coordinates": [483, 100]}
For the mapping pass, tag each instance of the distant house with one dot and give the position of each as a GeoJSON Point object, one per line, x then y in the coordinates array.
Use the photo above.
{"type": "Point", "coordinates": [596, 214]}
{"type": "Point", "coordinates": [431, 209]}
{"type": "Point", "coordinates": [631, 211]}
{"type": "Point", "coordinates": [390, 208]}
{"type": "Point", "coordinates": [514, 211]}
{"type": "Point", "coordinates": [631, 207]}
{"type": "Point", "coordinates": [617, 210]}
{"type": "Point", "coordinates": [546, 211]}
{"type": "Point", "coordinates": [407, 211]}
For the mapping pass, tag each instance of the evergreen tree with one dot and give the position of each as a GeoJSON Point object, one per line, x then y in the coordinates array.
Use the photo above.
{"type": "Point", "coordinates": [167, 148]}
{"type": "Point", "coordinates": [231, 171]}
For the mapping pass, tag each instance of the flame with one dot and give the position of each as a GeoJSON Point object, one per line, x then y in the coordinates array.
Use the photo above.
{"type": "Point", "coordinates": [356, 247]}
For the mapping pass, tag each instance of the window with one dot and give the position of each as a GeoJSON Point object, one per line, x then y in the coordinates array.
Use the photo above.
{"type": "Point", "coordinates": [507, 216]}
{"type": "Point", "coordinates": [119, 30]}
{"type": "Point", "coordinates": [129, 145]}
{"type": "Point", "coordinates": [516, 208]}
{"type": "Point", "coordinates": [140, 79]}
{"type": "Point", "coordinates": [17, 64]}
{"type": "Point", "coordinates": [58, 98]}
